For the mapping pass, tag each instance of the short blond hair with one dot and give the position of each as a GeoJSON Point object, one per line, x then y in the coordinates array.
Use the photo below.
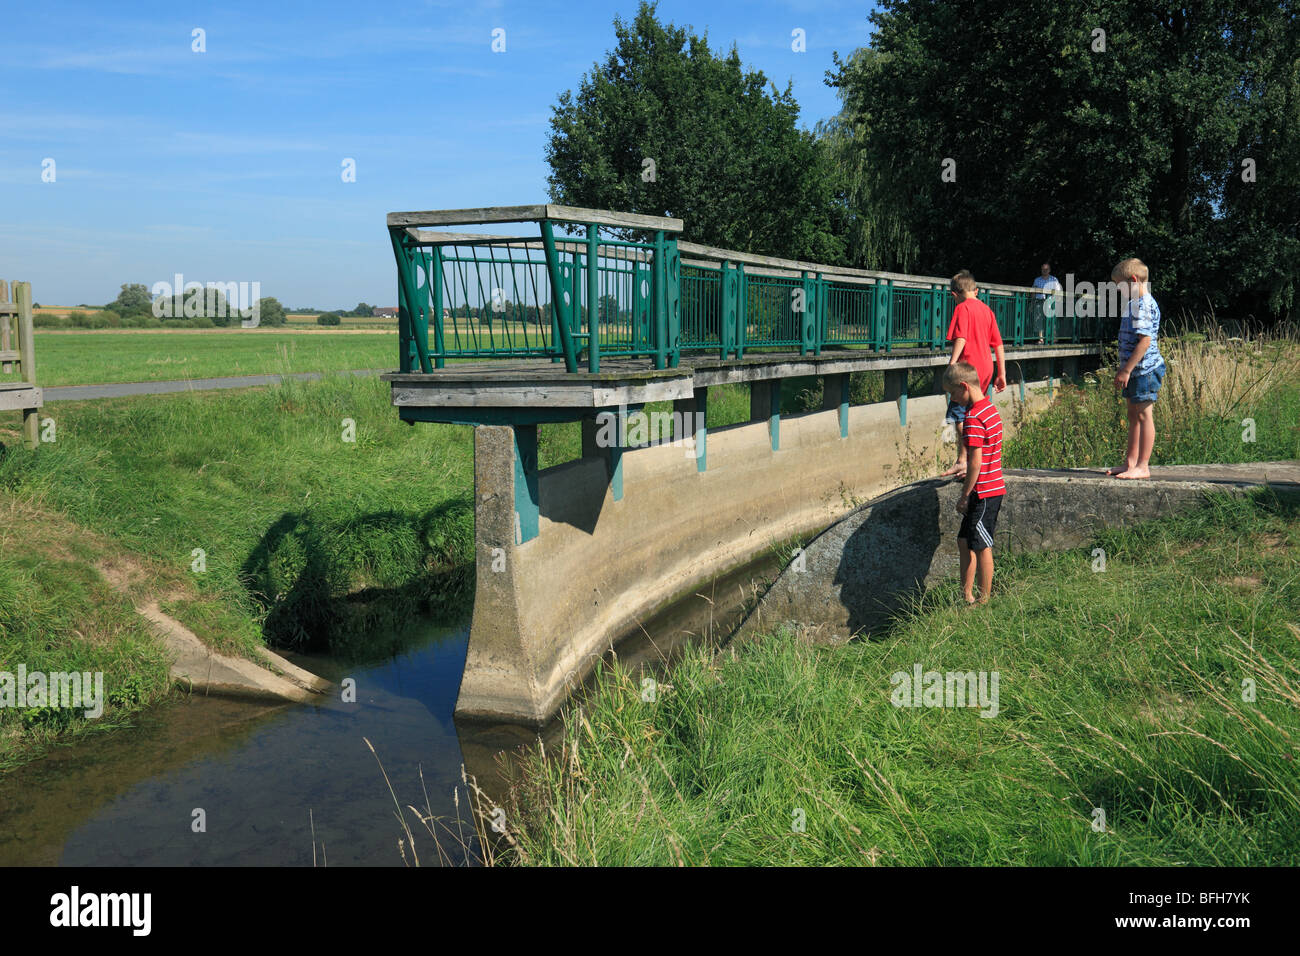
{"type": "Point", "coordinates": [1127, 268]}
{"type": "Point", "coordinates": [963, 282]}
{"type": "Point", "coordinates": [960, 373]}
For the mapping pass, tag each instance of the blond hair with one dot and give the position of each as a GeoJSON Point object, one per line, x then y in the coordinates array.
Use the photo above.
{"type": "Point", "coordinates": [960, 373]}
{"type": "Point", "coordinates": [1128, 268]}
{"type": "Point", "coordinates": [963, 282]}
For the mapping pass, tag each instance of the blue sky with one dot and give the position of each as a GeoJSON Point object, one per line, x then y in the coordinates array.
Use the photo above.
{"type": "Point", "coordinates": [225, 165]}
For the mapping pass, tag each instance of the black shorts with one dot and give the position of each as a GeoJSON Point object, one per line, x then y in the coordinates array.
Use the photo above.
{"type": "Point", "coordinates": [979, 522]}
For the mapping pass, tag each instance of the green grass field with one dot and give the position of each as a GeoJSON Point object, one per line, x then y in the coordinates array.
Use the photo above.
{"type": "Point", "coordinates": [97, 357]}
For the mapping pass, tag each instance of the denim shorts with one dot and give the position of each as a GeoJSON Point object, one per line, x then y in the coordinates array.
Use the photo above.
{"type": "Point", "coordinates": [956, 413]}
{"type": "Point", "coordinates": [1145, 387]}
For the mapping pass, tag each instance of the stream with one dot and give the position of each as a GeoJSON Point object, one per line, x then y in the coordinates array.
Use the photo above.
{"type": "Point", "coordinates": [212, 781]}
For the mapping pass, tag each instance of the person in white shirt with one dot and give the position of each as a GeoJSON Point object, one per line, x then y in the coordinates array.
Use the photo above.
{"type": "Point", "coordinates": [1047, 282]}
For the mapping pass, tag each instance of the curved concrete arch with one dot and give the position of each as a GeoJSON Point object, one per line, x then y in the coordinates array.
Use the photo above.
{"type": "Point", "coordinates": [546, 609]}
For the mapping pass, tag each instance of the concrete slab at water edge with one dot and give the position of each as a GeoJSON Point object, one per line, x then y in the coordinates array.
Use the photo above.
{"type": "Point", "coordinates": [863, 568]}
{"type": "Point", "coordinates": [202, 670]}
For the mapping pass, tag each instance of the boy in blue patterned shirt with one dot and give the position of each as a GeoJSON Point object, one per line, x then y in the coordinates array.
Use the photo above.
{"type": "Point", "coordinates": [1141, 367]}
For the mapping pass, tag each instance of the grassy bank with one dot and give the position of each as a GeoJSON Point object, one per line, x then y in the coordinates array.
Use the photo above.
{"type": "Point", "coordinates": [1119, 691]}
{"type": "Point", "coordinates": [298, 537]}
{"type": "Point", "coordinates": [60, 613]}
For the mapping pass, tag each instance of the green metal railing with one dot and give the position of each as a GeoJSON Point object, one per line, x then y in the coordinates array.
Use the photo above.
{"type": "Point", "coordinates": [586, 297]}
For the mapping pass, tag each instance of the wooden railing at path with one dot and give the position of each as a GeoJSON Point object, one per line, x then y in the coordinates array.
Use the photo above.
{"type": "Point", "coordinates": [16, 330]}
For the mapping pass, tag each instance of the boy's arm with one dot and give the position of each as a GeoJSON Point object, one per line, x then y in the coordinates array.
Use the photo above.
{"type": "Point", "coordinates": [1139, 350]}
{"type": "Point", "coordinates": [1001, 381]}
{"type": "Point", "coordinates": [973, 456]}
{"type": "Point", "coordinates": [957, 345]}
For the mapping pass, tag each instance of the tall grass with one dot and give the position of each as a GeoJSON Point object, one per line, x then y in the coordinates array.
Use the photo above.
{"type": "Point", "coordinates": [1120, 691]}
{"type": "Point", "coordinates": [1215, 386]}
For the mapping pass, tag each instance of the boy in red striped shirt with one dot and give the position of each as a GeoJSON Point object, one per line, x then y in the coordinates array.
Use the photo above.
{"type": "Point", "coordinates": [983, 489]}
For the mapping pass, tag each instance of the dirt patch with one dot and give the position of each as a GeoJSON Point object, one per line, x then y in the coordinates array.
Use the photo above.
{"type": "Point", "coordinates": [1244, 583]}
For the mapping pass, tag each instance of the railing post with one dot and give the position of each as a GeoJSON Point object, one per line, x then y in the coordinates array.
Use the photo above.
{"type": "Point", "coordinates": [435, 282]}
{"type": "Point", "coordinates": [726, 309]}
{"type": "Point", "coordinates": [562, 309]}
{"type": "Point", "coordinates": [27, 358]}
{"type": "Point", "coordinates": [593, 299]}
{"type": "Point", "coordinates": [742, 308]}
{"type": "Point", "coordinates": [660, 298]}
{"type": "Point", "coordinates": [414, 309]}
{"type": "Point", "coordinates": [673, 301]}
{"type": "Point", "coordinates": [820, 326]}
{"type": "Point", "coordinates": [805, 316]}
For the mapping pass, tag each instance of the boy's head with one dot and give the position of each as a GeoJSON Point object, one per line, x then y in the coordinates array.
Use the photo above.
{"type": "Point", "coordinates": [962, 382]}
{"type": "Point", "coordinates": [963, 285]}
{"type": "Point", "coordinates": [1131, 275]}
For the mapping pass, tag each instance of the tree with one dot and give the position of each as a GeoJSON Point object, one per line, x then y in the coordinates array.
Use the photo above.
{"type": "Point", "coordinates": [134, 299]}
{"type": "Point", "coordinates": [1082, 148]}
{"type": "Point", "coordinates": [328, 318]}
{"type": "Point", "coordinates": [362, 310]}
{"type": "Point", "coordinates": [270, 311]}
{"type": "Point", "coordinates": [664, 127]}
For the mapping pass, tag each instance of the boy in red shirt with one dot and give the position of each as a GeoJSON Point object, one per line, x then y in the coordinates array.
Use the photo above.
{"type": "Point", "coordinates": [973, 332]}
{"type": "Point", "coordinates": [983, 490]}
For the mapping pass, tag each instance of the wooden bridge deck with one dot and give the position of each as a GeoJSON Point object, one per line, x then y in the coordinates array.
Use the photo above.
{"type": "Point", "coordinates": [541, 383]}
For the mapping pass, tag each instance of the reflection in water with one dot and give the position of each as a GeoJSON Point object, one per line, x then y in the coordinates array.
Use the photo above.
{"type": "Point", "coordinates": [264, 776]}
{"type": "Point", "coordinates": [256, 773]}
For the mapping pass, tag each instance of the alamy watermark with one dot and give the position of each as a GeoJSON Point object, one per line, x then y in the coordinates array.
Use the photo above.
{"type": "Point", "coordinates": [951, 689]}
{"type": "Point", "coordinates": [215, 300]}
{"type": "Point", "coordinates": [637, 428]}
{"type": "Point", "coordinates": [1085, 300]}
{"type": "Point", "coordinates": [79, 690]}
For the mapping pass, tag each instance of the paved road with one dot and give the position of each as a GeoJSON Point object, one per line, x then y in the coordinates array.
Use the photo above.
{"type": "Point", "coordinates": [65, 393]}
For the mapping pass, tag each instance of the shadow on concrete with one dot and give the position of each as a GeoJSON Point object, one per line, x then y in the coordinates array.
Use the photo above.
{"type": "Point", "coordinates": [887, 558]}
{"type": "Point", "coordinates": [573, 493]}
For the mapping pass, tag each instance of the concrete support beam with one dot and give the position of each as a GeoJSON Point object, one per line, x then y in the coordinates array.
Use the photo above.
{"type": "Point", "coordinates": [1047, 372]}
{"type": "Point", "coordinates": [896, 391]}
{"type": "Point", "coordinates": [765, 405]}
{"type": "Point", "coordinates": [525, 483]}
{"type": "Point", "coordinates": [835, 395]}
{"type": "Point", "coordinates": [1070, 369]}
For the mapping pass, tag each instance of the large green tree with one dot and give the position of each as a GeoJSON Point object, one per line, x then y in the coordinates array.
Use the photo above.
{"type": "Point", "coordinates": [1082, 132]}
{"type": "Point", "coordinates": [665, 127]}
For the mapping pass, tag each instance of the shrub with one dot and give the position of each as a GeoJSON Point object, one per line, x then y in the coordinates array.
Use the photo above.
{"type": "Point", "coordinates": [328, 318]}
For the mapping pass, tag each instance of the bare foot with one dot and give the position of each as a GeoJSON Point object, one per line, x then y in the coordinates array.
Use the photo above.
{"type": "Point", "coordinates": [1135, 473]}
{"type": "Point", "coordinates": [958, 470]}
{"type": "Point", "coordinates": [1118, 469]}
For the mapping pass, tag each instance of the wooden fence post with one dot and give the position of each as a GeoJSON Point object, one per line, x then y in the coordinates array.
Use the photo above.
{"type": "Point", "coordinates": [27, 353]}
{"type": "Point", "coordinates": [4, 326]}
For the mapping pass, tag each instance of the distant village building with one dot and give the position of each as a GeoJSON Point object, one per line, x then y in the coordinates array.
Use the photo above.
{"type": "Point", "coordinates": [385, 311]}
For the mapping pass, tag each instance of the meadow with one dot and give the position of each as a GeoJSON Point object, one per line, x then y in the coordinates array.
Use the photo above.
{"type": "Point", "coordinates": [86, 357]}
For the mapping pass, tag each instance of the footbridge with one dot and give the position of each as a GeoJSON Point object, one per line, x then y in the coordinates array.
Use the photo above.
{"type": "Point", "coordinates": [593, 316]}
